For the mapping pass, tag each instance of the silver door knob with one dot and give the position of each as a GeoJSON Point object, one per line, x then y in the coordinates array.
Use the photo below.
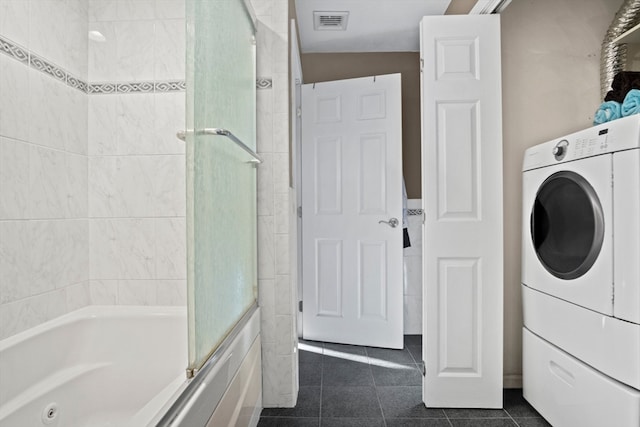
{"type": "Point", "coordinates": [393, 222]}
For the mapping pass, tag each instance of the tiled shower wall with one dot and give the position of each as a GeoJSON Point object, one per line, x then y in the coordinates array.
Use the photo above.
{"type": "Point", "coordinates": [136, 203]}
{"type": "Point", "coordinates": [91, 175]}
{"type": "Point", "coordinates": [44, 230]}
{"type": "Point", "coordinates": [412, 277]}
{"type": "Point", "coordinates": [276, 285]}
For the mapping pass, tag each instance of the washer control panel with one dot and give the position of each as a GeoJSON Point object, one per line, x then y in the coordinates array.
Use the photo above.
{"type": "Point", "coordinates": [610, 137]}
{"type": "Point", "coordinates": [560, 150]}
{"type": "Point", "coordinates": [592, 145]}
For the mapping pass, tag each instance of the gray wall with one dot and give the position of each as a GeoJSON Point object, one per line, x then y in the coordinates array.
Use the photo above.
{"type": "Point", "coordinates": [550, 87]}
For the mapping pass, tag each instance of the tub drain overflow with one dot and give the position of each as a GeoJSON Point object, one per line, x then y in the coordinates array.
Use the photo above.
{"type": "Point", "coordinates": [50, 413]}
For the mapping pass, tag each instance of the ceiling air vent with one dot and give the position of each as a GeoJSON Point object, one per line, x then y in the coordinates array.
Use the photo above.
{"type": "Point", "coordinates": [336, 21]}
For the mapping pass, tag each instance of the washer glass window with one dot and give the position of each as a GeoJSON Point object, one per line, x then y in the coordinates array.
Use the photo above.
{"type": "Point", "coordinates": [567, 225]}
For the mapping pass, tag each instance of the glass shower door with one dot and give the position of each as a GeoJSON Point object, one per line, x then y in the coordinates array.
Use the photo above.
{"type": "Point", "coordinates": [221, 173]}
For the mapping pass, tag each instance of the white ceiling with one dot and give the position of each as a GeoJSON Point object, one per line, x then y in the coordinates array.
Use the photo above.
{"type": "Point", "coordinates": [372, 26]}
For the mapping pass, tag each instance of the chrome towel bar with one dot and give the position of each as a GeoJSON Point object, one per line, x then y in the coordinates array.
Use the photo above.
{"type": "Point", "coordinates": [182, 135]}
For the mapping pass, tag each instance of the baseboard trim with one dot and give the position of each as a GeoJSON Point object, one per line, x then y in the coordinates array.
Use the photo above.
{"type": "Point", "coordinates": [512, 381]}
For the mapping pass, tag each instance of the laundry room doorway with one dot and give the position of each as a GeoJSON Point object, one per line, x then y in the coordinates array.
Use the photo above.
{"type": "Point", "coordinates": [460, 164]}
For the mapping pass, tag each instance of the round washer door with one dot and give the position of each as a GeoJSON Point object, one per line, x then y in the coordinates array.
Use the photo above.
{"type": "Point", "coordinates": [567, 225]}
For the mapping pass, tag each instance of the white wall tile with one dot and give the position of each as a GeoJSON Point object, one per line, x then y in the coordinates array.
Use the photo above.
{"type": "Point", "coordinates": [170, 9]}
{"type": "Point", "coordinates": [281, 172]}
{"type": "Point", "coordinates": [47, 110]}
{"type": "Point", "coordinates": [265, 185]}
{"type": "Point", "coordinates": [74, 251]}
{"type": "Point", "coordinates": [48, 30]}
{"type": "Point", "coordinates": [281, 51]}
{"type": "Point", "coordinates": [281, 132]}
{"type": "Point", "coordinates": [102, 10]}
{"type": "Point", "coordinates": [281, 213]}
{"type": "Point", "coordinates": [135, 123]}
{"type": "Point", "coordinates": [413, 315]}
{"type": "Point", "coordinates": [264, 43]}
{"type": "Point", "coordinates": [77, 42]}
{"type": "Point", "coordinates": [169, 116]}
{"type": "Point", "coordinates": [103, 55]}
{"type": "Point", "coordinates": [281, 93]}
{"type": "Point", "coordinates": [122, 248]}
{"type": "Point", "coordinates": [78, 296]}
{"type": "Point", "coordinates": [15, 248]}
{"type": "Point", "coordinates": [266, 300]}
{"type": "Point", "coordinates": [135, 50]}
{"type": "Point", "coordinates": [102, 124]}
{"type": "Point", "coordinates": [169, 176]}
{"type": "Point", "coordinates": [24, 314]}
{"type": "Point", "coordinates": [171, 292]}
{"type": "Point", "coordinates": [103, 292]}
{"type": "Point", "coordinates": [170, 49]}
{"type": "Point", "coordinates": [14, 21]}
{"type": "Point", "coordinates": [47, 183]}
{"type": "Point", "coordinates": [282, 254]}
{"type": "Point", "coordinates": [111, 191]}
{"type": "Point", "coordinates": [15, 113]}
{"type": "Point", "coordinates": [283, 291]}
{"type": "Point", "coordinates": [75, 119]}
{"type": "Point", "coordinates": [104, 259]}
{"type": "Point", "coordinates": [415, 236]}
{"type": "Point", "coordinates": [279, 16]}
{"type": "Point", "coordinates": [130, 10]}
{"type": "Point", "coordinates": [266, 247]}
{"type": "Point", "coordinates": [14, 179]}
{"type": "Point", "coordinates": [262, 8]}
{"type": "Point", "coordinates": [10, 318]}
{"type": "Point", "coordinates": [171, 253]}
{"type": "Point", "coordinates": [264, 120]}
{"type": "Point", "coordinates": [77, 176]}
{"type": "Point", "coordinates": [412, 275]}
{"type": "Point", "coordinates": [137, 292]}
{"type": "Point", "coordinates": [284, 343]}
{"type": "Point", "coordinates": [48, 255]}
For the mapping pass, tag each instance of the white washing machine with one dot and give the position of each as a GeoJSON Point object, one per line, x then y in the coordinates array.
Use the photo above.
{"type": "Point", "coordinates": [581, 276]}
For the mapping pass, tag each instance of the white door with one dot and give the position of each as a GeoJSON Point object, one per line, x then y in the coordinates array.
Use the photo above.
{"type": "Point", "coordinates": [462, 199]}
{"type": "Point", "coordinates": [351, 183]}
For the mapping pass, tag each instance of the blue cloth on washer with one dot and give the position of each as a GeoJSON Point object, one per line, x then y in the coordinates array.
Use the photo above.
{"type": "Point", "coordinates": [607, 111]}
{"type": "Point", "coordinates": [631, 104]}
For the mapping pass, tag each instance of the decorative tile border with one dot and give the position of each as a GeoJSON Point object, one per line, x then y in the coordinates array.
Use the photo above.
{"type": "Point", "coordinates": [106, 88]}
{"type": "Point", "coordinates": [412, 212]}
{"type": "Point", "coordinates": [138, 87]}
{"type": "Point", "coordinates": [14, 51]}
{"type": "Point", "coordinates": [41, 64]}
{"type": "Point", "coordinates": [264, 83]}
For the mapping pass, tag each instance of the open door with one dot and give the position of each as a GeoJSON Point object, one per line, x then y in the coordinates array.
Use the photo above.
{"type": "Point", "coordinates": [462, 197]}
{"type": "Point", "coordinates": [352, 211]}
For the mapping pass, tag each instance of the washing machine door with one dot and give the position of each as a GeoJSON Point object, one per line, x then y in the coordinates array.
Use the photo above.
{"type": "Point", "coordinates": [567, 225]}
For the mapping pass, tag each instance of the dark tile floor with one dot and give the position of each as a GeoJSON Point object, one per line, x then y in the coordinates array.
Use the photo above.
{"type": "Point", "coordinates": [350, 386]}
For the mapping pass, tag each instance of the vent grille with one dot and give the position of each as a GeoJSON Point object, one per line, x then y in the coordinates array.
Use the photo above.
{"type": "Point", "coordinates": [335, 21]}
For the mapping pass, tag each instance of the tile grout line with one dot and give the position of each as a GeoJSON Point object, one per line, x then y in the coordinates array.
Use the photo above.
{"type": "Point", "coordinates": [321, 386]}
{"type": "Point", "coordinates": [512, 419]}
{"type": "Point", "coordinates": [375, 388]}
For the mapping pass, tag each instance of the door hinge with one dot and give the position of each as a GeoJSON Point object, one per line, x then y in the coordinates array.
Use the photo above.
{"type": "Point", "coordinates": [421, 64]}
{"type": "Point", "coordinates": [300, 306]}
{"type": "Point", "coordinates": [423, 369]}
{"type": "Point", "coordinates": [299, 211]}
{"type": "Point", "coordinates": [299, 112]}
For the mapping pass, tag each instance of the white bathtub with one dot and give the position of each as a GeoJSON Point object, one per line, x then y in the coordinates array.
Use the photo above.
{"type": "Point", "coordinates": [98, 366]}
